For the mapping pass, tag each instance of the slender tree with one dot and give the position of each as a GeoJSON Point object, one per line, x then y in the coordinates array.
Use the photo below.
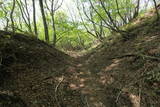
{"type": "Point", "coordinates": [156, 8]}
{"type": "Point", "coordinates": [118, 10]}
{"type": "Point", "coordinates": [28, 15]}
{"type": "Point", "coordinates": [25, 14]}
{"type": "Point", "coordinates": [55, 5]}
{"type": "Point", "coordinates": [97, 29]}
{"type": "Point", "coordinates": [6, 18]}
{"type": "Point", "coordinates": [137, 9]}
{"type": "Point", "coordinates": [11, 15]}
{"type": "Point", "coordinates": [44, 21]}
{"type": "Point", "coordinates": [34, 18]}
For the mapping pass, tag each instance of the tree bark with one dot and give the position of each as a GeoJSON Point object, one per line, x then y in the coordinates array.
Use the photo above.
{"type": "Point", "coordinates": [157, 11]}
{"type": "Point", "coordinates": [54, 7]}
{"type": "Point", "coordinates": [11, 15]}
{"type": "Point", "coordinates": [44, 21]}
{"type": "Point", "coordinates": [24, 14]}
{"type": "Point", "coordinates": [34, 19]}
{"type": "Point", "coordinates": [7, 19]}
{"type": "Point", "coordinates": [28, 16]}
{"type": "Point", "coordinates": [53, 24]}
{"type": "Point", "coordinates": [137, 9]}
{"type": "Point", "coordinates": [124, 21]}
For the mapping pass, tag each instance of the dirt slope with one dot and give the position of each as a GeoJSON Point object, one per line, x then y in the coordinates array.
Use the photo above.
{"type": "Point", "coordinates": [123, 73]}
{"type": "Point", "coordinates": [31, 73]}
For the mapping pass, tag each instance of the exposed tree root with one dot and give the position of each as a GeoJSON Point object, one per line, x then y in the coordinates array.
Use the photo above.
{"type": "Point", "coordinates": [137, 55]}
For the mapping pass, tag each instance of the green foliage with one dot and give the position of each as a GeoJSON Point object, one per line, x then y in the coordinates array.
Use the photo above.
{"type": "Point", "coordinates": [69, 32]}
{"type": "Point", "coordinates": [1, 14]}
{"type": "Point", "coordinates": [75, 39]}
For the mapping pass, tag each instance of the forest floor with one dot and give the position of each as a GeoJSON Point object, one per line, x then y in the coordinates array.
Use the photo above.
{"type": "Point", "coordinates": [118, 81]}
{"type": "Point", "coordinates": [117, 73]}
{"type": "Point", "coordinates": [90, 85]}
{"type": "Point", "coordinates": [121, 73]}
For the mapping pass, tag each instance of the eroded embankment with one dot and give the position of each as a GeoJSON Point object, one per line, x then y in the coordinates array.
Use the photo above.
{"type": "Point", "coordinates": [32, 73]}
{"type": "Point", "coordinates": [123, 73]}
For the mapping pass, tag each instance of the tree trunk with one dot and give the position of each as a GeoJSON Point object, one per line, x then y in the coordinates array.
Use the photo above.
{"type": "Point", "coordinates": [11, 15]}
{"type": "Point", "coordinates": [24, 14]}
{"type": "Point", "coordinates": [157, 11]}
{"type": "Point", "coordinates": [54, 31]}
{"type": "Point", "coordinates": [137, 9]}
{"type": "Point", "coordinates": [53, 24]}
{"type": "Point", "coordinates": [44, 21]}
{"type": "Point", "coordinates": [28, 16]}
{"type": "Point", "coordinates": [7, 19]}
{"type": "Point", "coordinates": [34, 19]}
{"type": "Point", "coordinates": [124, 21]}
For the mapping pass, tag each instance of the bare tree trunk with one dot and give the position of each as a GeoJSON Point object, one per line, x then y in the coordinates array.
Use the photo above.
{"type": "Point", "coordinates": [44, 21]}
{"type": "Point", "coordinates": [120, 13]}
{"type": "Point", "coordinates": [54, 31]}
{"type": "Point", "coordinates": [54, 7]}
{"type": "Point", "coordinates": [111, 23]}
{"type": "Point", "coordinates": [53, 23]}
{"type": "Point", "coordinates": [97, 30]}
{"type": "Point", "coordinates": [28, 16]}
{"type": "Point", "coordinates": [155, 4]}
{"type": "Point", "coordinates": [34, 19]}
{"type": "Point", "coordinates": [7, 19]}
{"type": "Point", "coordinates": [24, 14]}
{"type": "Point", "coordinates": [11, 15]}
{"type": "Point", "coordinates": [137, 9]}
{"type": "Point", "coordinates": [109, 15]}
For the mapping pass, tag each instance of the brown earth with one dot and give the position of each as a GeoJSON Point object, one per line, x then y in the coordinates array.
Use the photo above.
{"type": "Point", "coordinates": [122, 73]}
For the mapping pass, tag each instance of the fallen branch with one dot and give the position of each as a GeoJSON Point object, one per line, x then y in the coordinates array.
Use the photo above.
{"type": "Point", "coordinates": [118, 96]}
{"type": "Point", "coordinates": [56, 89]}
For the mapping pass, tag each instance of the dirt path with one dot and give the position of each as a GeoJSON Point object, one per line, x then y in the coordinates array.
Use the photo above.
{"type": "Point", "coordinates": [91, 85]}
{"type": "Point", "coordinates": [95, 87]}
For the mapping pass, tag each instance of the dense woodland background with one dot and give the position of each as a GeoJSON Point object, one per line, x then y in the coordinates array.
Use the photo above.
{"type": "Point", "coordinates": [82, 23]}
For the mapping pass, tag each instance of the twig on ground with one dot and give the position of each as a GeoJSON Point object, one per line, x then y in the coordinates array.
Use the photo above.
{"type": "Point", "coordinates": [56, 89]}
{"type": "Point", "coordinates": [118, 96]}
